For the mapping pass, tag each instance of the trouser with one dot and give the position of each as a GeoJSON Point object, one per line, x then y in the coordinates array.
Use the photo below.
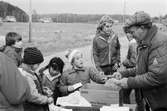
{"type": "Point", "coordinates": [139, 100]}
{"type": "Point", "coordinates": [108, 69]}
{"type": "Point", "coordinates": [161, 109]}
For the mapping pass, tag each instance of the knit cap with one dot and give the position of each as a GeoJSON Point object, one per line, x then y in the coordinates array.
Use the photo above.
{"type": "Point", "coordinates": [32, 56]}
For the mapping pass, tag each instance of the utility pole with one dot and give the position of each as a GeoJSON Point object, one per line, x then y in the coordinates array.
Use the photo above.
{"type": "Point", "coordinates": [30, 21]}
{"type": "Point", "coordinates": [124, 11]}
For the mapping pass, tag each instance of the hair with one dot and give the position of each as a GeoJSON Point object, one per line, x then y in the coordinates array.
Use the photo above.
{"type": "Point", "coordinates": [11, 38]}
{"type": "Point", "coordinates": [104, 19]}
{"type": "Point", "coordinates": [56, 63]}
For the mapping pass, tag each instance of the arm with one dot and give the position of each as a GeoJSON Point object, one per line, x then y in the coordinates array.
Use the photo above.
{"type": "Point", "coordinates": [156, 75]}
{"type": "Point", "coordinates": [36, 97]}
{"type": "Point", "coordinates": [96, 76]}
{"type": "Point", "coordinates": [131, 72]}
{"type": "Point", "coordinates": [131, 56]}
{"type": "Point", "coordinates": [13, 85]}
{"type": "Point", "coordinates": [96, 55]}
{"type": "Point", "coordinates": [63, 87]}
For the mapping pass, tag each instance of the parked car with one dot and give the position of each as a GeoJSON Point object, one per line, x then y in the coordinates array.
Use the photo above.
{"type": "Point", "coordinates": [10, 19]}
{"type": "Point", "coordinates": [45, 20]}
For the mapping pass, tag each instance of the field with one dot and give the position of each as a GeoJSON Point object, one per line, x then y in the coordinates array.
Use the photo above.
{"type": "Point", "coordinates": [54, 38]}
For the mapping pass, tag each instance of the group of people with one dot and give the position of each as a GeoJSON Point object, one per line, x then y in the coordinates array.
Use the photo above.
{"type": "Point", "coordinates": [24, 88]}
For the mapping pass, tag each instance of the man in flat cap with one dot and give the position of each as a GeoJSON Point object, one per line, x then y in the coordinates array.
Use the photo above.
{"type": "Point", "coordinates": [150, 73]}
{"type": "Point", "coordinates": [106, 47]}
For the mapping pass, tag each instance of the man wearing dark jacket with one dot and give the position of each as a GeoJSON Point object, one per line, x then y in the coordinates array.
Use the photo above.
{"type": "Point", "coordinates": [150, 73]}
{"type": "Point", "coordinates": [106, 47]}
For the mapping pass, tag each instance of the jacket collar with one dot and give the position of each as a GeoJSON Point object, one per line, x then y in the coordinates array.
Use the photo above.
{"type": "Point", "coordinates": [73, 70]}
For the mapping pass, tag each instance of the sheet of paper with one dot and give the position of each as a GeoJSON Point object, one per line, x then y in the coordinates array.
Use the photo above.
{"type": "Point", "coordinates": [114, 108]}
{"type": "Point", "coordinates": [77, 85]}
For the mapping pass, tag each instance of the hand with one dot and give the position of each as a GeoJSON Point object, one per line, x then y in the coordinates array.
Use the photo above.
{"type": "Point", "coordinates": [116, 75]}
{"type": "Point", "coordinates": [50, 100]}
{"type": "Point", "coordinates": [70, 88]}
{"type": "Point", "coordinates": [101, 72]}
{"type": "Point", "coordinates": [122, 82]}
{"type": "Point", "coordinates": [110, 83]}
{"type": "Point", "coordinates": [48, 91]}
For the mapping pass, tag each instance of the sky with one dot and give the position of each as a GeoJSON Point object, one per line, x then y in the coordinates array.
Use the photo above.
{"type": "Point", "coordinates": [153, 7]}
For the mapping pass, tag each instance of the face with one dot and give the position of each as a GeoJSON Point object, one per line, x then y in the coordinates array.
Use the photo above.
{"type": "Point", "coordinates": [129, 36]}
{"type": "Point", "coordinates": [78, 60]}
{"type": "Point", "coordinates": [53, 72]}
{"type": "Point", "coordinates": [108, 28]}
{"type": "Point", "coordinates": [34, 67]}
{"type": "Point", "coordinates": [137, 33]}
{"type": "Point", "coordinates": [18, 44]}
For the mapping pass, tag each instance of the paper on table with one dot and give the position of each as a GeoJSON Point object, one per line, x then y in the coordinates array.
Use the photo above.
{"type": "Point", "coordinates": [77, 85]}
{"type": "Point", "coordinates": [52, 107]}
{"type": "Point", "coordinates": [74, 99]}
{"type": "Point", "coordinates": [114, 108]}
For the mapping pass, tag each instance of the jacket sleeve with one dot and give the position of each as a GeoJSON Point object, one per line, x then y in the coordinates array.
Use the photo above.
{"type": "Point", "coordinates": [96, 55]}
{"type": "Point", "coordinates": [13, 85]}
{"type": "Point", "coordinates": [36, 97]}
{"type": "Point", "coordinates": [131, 72]}
{"type": "Point", "coordinates": [96, 76]}
{"type": "Point", "coordinates": [63, 87]}
{"type": "Point", "coordinates": [157, 69]}
{"type": "Point", "coordinates": [131, 56]}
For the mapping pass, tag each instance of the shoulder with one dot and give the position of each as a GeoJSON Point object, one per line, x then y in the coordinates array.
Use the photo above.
{"type": "Point", "coordinates": [67, 72]}
{"type": "Point", "coordinates": [159, 38]}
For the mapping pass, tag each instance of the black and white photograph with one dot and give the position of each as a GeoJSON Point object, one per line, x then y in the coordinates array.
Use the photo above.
{"type": "Point", "coordinates": [83, 55]}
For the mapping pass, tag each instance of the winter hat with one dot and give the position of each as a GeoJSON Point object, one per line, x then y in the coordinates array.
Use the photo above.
{"type": "Point", "coordinates": [104, 19]}
{"type": "Point", "coordinates": [139, 18]}
{"type": "Point", "coordinates": [32, 56]}
{"type": "Point", "coordinates": [70, 54]}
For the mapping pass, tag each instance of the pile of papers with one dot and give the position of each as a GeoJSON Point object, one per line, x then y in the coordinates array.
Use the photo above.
{"type": "Point", "coordinates": [74, 99]}
{"type": "Point", "coordinates": [52, 107]}
{"type": "Point", "coordinates": [114, 107]}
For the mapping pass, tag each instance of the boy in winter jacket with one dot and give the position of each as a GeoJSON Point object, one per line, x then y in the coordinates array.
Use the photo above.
{"type": "Point", "coordinates": [78, 75]}
{"type": "Point", "coordinates": [13, 47]}
{"type": "Point", "coordinates": [31, 61]}
{"type": "Point", "coordinates": [51, 77]}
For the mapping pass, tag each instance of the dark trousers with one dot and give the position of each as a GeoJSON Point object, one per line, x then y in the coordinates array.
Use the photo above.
{"type": "Point", "coordinates": [139, 100]}
{"type": "Point", "coordinates": [161, 109]}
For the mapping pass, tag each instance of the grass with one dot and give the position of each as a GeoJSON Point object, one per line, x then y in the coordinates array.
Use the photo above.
{"type": "Point", "coordinates": [55, 37]}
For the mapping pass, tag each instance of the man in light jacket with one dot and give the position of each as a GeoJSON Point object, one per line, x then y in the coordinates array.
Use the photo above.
{"type": "Point", "coordinates": [14, 88]}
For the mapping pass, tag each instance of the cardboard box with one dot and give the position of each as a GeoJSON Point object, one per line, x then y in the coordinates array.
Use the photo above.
{"type": "Point", "coordinates": [99, 95]}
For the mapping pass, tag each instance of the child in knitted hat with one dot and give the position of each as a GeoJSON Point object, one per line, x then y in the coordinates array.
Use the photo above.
{"type": "Point", "coordinates": [51, 76]}
{"type": "Point", "coordinates": [31, 60]}
{"type": "Point", "coordinates": [73, 78]}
